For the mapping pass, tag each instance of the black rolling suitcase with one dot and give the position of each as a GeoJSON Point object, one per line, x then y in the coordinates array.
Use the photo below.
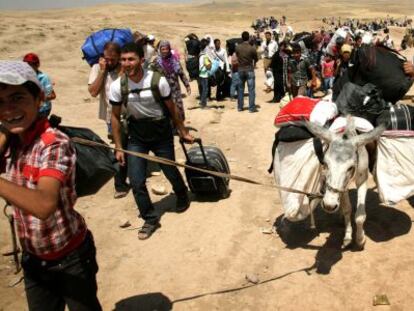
{"type": "Point", "coordinates": [210, 158]}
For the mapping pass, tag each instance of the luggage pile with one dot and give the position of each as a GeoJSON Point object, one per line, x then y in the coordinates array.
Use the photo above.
{"type": "Point", "coordinates": [370, 91]}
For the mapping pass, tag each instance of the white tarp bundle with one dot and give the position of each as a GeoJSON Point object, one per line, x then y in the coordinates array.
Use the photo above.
{"type": "Point", "coordinates": [296, 166]}
{"type": "Point", "coordinates": [394, 172]}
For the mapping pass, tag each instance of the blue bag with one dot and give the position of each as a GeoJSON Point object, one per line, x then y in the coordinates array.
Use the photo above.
{"type": "Point", "coordinates": [94, 45]}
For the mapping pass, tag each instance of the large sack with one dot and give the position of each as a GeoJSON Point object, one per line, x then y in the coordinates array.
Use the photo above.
{"type": "Point", "coordinates": [394, 172]}
{"type": "Point", "coordinates": [95, 166]}
{"type": "Point", "coordinates": [192, 65]}
{"type": "Point", "coordinates": [231, 45]}
{"type": "Point", "coordinates": [93, 47]}
{"type": "Point", "coordinates": [193, 47]}
{"type": "Point", "coordinates": [379, 66]}
{"type": "Point", "coordinates": [361, 101]}
{"type": "Point", "coordinates": [296, 166]}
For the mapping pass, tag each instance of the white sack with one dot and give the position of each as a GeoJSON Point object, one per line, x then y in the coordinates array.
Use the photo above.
{"type": "Point", "coordinates": [361, 124]}
{"type": "Point", "coordinates": [394, 172]}
{"type": "Point", "coordinates": [269, 78]}
{"type": "Point", "coordinates": [296, 166]}
{"type": "Point", "coordinates": [323, 112]}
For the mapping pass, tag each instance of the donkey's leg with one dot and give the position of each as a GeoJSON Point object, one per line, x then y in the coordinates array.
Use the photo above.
{"type": "Point", "coordinates": [361, 215]}
{"type": "Point", "coordinates": [347, 210]}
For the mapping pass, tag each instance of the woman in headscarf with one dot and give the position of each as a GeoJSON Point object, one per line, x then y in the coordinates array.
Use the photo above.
{"type": "Point", "coordinates": [170, 64]}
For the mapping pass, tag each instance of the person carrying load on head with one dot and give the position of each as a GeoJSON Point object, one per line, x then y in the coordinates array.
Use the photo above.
{"type": "Point", "coordinates": [100, 78]}
{"type": "Point", "coordinates": [38, 162]}
{"type": "Point", "coordinates": [146, 95]}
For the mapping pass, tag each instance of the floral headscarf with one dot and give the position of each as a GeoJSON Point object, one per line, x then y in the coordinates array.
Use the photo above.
{"type": "Point", "coordinates": [169, 63]}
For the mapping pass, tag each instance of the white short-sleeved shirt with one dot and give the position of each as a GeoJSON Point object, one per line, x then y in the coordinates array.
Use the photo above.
{"type": "Point", "coordinates": [143, 104]}
{"type": "Point", "coordinates": [104, 107]}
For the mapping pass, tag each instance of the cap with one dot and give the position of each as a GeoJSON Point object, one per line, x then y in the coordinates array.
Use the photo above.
{"type": "Point", "coordinates": [31, 58]}
{"type": "Point", "coordinates": [346, 48]}
{"type": "Point", "coordinates": [17, 73]}
{"type": "Point", "coordinates": [150, 38]}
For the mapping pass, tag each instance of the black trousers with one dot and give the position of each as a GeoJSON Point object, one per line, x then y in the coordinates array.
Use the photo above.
{"type": "Point", "coordinates": [278, 88]}
{"type": "Point", "coordinates": [71, 281]}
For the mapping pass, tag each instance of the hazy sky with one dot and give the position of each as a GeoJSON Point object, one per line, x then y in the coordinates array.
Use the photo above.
{"type": "Point", "coordinates": [52, 4]}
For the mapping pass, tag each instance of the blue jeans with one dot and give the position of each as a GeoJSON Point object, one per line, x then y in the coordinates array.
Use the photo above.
{"type": "Point", "coordinates": [137, 172]}
{"type": "Point", "coordinates": [235, 81]}
{"type": "Point", "coordinates": [204, 91]}
{"type": "Point", "coordinates": [328, 83]}
{"type": "Point", "coordinates": [251, 86]}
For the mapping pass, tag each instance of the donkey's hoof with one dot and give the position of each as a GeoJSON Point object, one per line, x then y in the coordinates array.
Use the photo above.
{"type": "Point", "coordinates": [360, 245]}
{"type": "Point", "coordinates": [346, 243]}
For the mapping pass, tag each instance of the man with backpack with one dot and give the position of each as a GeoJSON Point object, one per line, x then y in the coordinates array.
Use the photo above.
{"type": "Point", "coordinates": [146, 96]}
{"type": "Point", "coordinates": [100, 79]}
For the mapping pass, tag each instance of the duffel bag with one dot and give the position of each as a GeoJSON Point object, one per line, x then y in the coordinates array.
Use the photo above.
{"type": "Point", "coordinates": [93, 47]}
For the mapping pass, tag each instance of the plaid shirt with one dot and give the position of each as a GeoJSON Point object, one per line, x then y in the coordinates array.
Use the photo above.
{"type": "Point", "coordinates": [47, 152]}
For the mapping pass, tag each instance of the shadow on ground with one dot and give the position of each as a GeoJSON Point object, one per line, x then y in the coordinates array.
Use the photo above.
{"type": "Point", "coordinates": [145, 302]}
{"type": "Point", "coordinates": [382, 224]}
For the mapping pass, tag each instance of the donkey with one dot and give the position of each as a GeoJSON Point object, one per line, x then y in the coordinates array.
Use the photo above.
{"type": "Point", "coordinates": [346, 159]}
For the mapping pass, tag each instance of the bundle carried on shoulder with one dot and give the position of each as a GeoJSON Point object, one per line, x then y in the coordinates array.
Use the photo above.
{"type": "Point", "coordinates": [379, 66]}
{"type": "Point", "coordinates": [93, 47]}
{"type": "Point", "coordinates": [231, 45]}
{"type": "Point", "coordinates": [95, 166]}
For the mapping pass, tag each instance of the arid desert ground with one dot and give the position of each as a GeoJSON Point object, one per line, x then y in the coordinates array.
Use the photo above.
{"type": "Point", "coordinates": [198, 260]}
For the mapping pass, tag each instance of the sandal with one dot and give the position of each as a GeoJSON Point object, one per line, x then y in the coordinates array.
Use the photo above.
{"type": "Point", "coordinates": [147, 230]}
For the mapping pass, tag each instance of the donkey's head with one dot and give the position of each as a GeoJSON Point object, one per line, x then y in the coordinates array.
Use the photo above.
{"type": "Point", "coordinates": [341, 159]}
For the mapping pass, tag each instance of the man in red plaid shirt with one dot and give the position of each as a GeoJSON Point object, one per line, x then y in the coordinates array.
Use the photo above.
{"type": "Point", "coordinates": [59, 256]}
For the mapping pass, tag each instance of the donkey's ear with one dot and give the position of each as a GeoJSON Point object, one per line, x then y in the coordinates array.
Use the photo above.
{"type": "Point", "coordinates": [363, 139]}
{"type": "Point", "coordinates": [319, 131]}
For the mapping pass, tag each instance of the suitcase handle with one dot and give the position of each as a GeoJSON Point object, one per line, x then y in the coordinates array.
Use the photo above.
{"type": "Point", "coordinates": [200, 143]}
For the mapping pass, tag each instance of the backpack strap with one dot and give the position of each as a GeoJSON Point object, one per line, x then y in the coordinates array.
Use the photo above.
{"type": "Point", "coordinates": [124, 89]}
{"type": "Point", "coordinates": [154, 87]}
{"type": "Point", "coordinates": [155, 81]}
